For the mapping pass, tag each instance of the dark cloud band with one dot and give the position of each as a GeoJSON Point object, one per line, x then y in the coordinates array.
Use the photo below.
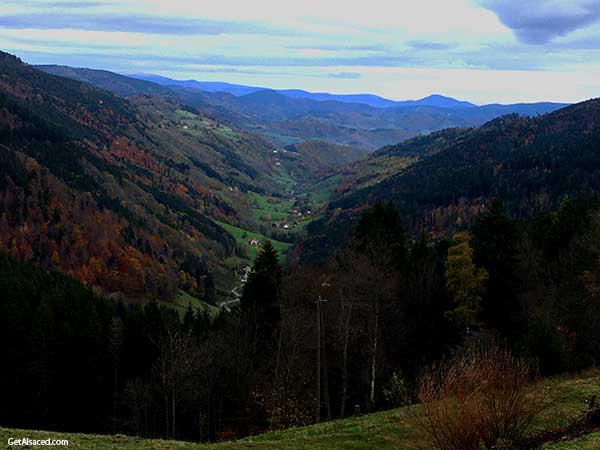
{"type": "Point", "coordinates": [134, 24]}
{"type": "Point", "coordinates": [538, 22]}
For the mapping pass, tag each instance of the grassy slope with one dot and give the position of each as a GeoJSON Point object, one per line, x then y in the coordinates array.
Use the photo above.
{"type": "Point", "coordinates": [322, 191]}
{"type": "Point", "coordinates": [269, 209]}
{"type": "Point", "coordinates": [197, 124]}
{"type": "Point", "coordinates": [183, 300]}
{"type": "Point", "coordinates": [251, 252]}
{"type": "Point", "coordinates": [380, 431]}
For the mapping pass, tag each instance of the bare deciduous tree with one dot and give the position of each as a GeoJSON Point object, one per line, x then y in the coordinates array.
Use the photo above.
{"type": "Point", "coordinates": [177, 358]}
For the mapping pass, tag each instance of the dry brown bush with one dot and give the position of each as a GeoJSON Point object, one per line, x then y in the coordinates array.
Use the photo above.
{"type": "Point", "coordinates": [482, 398]}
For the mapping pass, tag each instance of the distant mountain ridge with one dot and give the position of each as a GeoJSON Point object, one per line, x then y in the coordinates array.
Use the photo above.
{"type": "Point", "coordinates": [372, 100]}
{"type": "Point", "coordinates": [209, 86]}
{"type": "Point", "coordinates": [291, 116]}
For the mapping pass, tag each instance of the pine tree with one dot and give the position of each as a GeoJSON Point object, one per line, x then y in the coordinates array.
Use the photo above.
{"type": "Point", "coordinates": [380, 235]}
{"type": "Point", "coordinates": [261, 292]}
{"type": "Point", "coordinates": [260, 297]}
{"type": "Point", "coordinates": [495, 240]}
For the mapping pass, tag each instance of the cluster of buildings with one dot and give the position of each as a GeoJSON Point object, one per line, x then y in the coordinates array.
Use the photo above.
{"type": "Point", "coordinates": [245, 273]}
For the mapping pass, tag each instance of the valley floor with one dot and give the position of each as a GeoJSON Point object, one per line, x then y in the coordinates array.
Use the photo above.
{"type": "Point", "coordinates": [395, 429]}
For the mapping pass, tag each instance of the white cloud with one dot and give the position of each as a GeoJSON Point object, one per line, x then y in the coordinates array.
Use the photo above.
{"type": "Point", "coordinates": [395, 48]}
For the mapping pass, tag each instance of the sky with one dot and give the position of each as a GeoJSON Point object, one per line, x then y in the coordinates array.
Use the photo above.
{"type": "Point", "coordinates": [484, 51]}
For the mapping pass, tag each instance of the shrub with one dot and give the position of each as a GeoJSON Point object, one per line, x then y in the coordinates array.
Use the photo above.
{"type": "Point", "coordinates": [481, 397]}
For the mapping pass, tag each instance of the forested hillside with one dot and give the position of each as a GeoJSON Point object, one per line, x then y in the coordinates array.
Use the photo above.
{"type": "Point", "coordinates": [320, 157]}
{"type": "Point", "coordinates": [119, 84]}
{"type": "Point", "coordinates": [441, 181]}
{"type": "Point", "coordinates": [122, 195]}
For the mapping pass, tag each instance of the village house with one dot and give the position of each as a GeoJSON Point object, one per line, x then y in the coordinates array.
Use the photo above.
{"type": "Point", "coordinates": [245, 274]}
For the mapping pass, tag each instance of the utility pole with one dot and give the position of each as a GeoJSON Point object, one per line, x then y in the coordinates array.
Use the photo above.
{"type": "Point", "coordinates": [318, 373]}
{"type": "Point", "coordinates": [325, 378]}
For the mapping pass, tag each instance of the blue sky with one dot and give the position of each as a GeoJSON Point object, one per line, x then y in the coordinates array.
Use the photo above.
{"type": "Point", "coordinates": [478, 50]}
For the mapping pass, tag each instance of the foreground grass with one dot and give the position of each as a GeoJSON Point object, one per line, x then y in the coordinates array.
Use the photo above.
{"type": "Point", "coordinates": [94, 441]}
{"type": "Point", "coordinates": [588, 442]}
{"type": "Point", "coordinates": [380, 431]}
{"type": "Point", "coordinates": [394, 429]}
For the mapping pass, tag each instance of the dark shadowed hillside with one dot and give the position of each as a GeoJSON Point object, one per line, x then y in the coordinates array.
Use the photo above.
{"type": "Point", "coordinates": [119, 84]}
{"type": "Point", "coordinates": [442, 180]}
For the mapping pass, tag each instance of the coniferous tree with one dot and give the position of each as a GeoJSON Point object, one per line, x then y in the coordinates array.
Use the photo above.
{"type": "Point", "coordinates": [495, 240]}
{"type": "Point", "coordinates": [260, 297]}
{"type": "Point", "coordinates": [381, 236]}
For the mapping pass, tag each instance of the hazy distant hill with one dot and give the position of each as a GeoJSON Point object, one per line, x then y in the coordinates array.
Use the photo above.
{"type": "Point", "coordinates": [361, 120]}
{"type": "Point", "coordinates": [208, 86]}
{"type": "Point", "coordinates": [438, 101]}
{"type": "Point", "coordinates": [290, 116]}
{"type": "Point", "coordinates": [366, 99]}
